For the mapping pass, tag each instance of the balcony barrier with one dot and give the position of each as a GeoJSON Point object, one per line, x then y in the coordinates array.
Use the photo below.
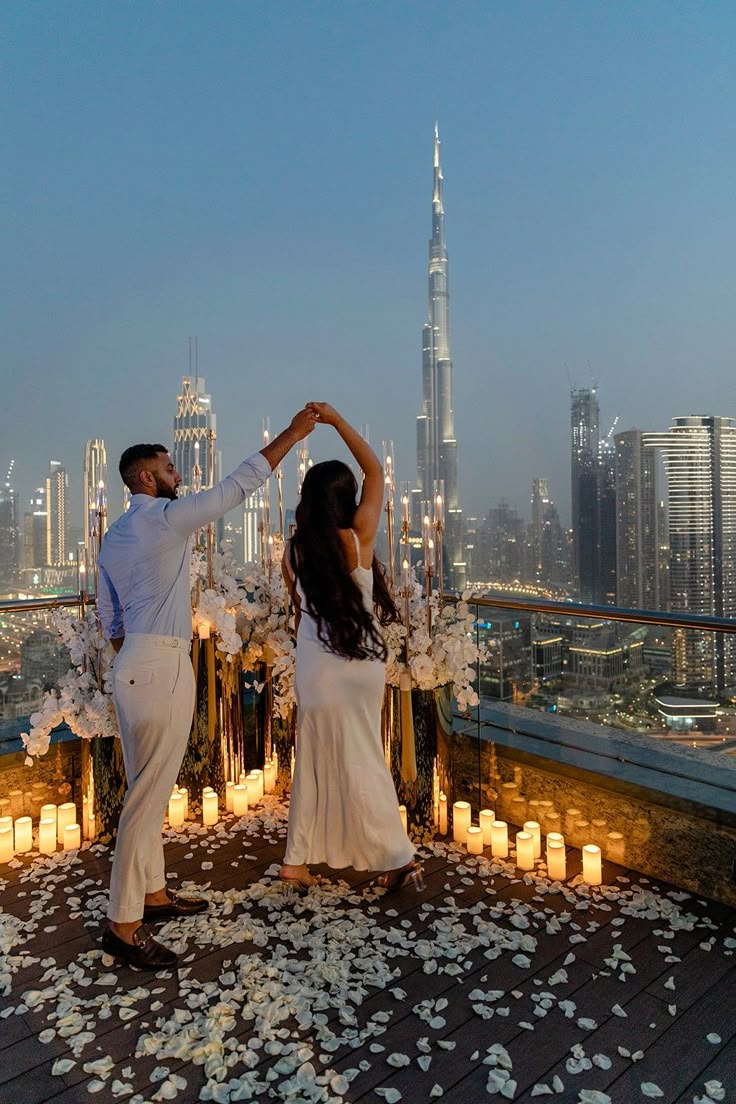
{"type": "Point", "coordinates": [578, 741]}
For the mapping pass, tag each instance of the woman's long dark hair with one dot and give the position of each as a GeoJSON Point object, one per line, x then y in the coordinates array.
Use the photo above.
{"type": "Point", "coordinates": [333, 599]}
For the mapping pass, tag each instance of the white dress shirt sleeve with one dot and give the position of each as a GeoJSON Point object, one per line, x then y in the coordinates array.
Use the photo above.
{"type": "Point", "coordinates": [185, 515]}
{"type": "Point", "coordinates": [109, 607]}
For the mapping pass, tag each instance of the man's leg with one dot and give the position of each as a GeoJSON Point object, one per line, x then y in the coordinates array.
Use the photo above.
{"type": "Point", "coordinates": [154, 697]}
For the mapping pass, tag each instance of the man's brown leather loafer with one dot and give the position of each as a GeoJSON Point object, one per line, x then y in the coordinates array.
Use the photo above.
{"type": "Point", "coordinates": [145, 952]}
{"type": "Point", "coordinates": [175, 906]}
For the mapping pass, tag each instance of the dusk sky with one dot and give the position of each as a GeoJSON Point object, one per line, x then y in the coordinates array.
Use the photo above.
{"type": "Point", "coordinates": [260, 175]}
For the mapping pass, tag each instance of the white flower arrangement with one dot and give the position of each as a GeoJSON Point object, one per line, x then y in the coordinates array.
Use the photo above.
{"type": "Point", "coordinates": [249, 617]}
{"type": "Point", "coordinates": [83, 697]}
{"type": "Point", "coordinates": [445, 654]}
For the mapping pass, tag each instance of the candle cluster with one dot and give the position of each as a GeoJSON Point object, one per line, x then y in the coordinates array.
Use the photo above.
{"type": "Point", "coordinates": [493, 833]}
{"type": "Point", "coordinates": [239, 796]}
{"type": "Point", "coordinates": [57, 827]}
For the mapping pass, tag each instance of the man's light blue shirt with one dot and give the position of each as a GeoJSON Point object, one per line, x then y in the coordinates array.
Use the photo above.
{"type": "Point", "coordinates": [144, 582]}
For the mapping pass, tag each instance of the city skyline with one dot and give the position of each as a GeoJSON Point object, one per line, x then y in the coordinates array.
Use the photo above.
{"type": "Point", "coordinates": [276, 208]}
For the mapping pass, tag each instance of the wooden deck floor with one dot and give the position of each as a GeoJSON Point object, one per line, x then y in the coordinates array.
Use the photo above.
{"type": "Point", "coordinates": [348, 996]}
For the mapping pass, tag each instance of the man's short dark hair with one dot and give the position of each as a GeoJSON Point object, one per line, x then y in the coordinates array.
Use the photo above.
{"type": "Point", "coordinates": [134, 458]}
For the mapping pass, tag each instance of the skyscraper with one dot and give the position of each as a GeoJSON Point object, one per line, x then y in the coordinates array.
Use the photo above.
{"type": "Point", "coordinates": [194, 422]}
{"type": "Point", "coordinates": [547, 543]}
{"type": "Point", "coordinates": [95, 473]}
{"type": "Point", "coordinates": [584, 417]}
{"type": "Point", "coordinates": [637, 528]}
{"type": "Point", "coordinates": [699, 456]}
{"type": "Point", "coordinates": [604, 588]}
{"type": "Point", "coordinates": [436, 443]}
{"type": "Point", "coordinates": [9, 529]}
{"type": "Point", "coordinates": [34, 531]}
{"type": "Point", "coordinates": [194, 454]}
{"type": "Point", "coordinates": [57, 485]}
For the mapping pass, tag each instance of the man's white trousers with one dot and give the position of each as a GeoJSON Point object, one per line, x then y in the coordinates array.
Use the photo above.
{"type": "Point", "coordinates": [153, 692]}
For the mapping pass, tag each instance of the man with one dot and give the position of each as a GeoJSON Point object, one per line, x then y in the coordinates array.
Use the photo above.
{"type": "Point", "coordinates": [145, 610]}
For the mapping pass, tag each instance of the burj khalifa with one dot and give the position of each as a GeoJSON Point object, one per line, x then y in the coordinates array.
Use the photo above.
{"type": "Point", "coordinates": [436, 443]}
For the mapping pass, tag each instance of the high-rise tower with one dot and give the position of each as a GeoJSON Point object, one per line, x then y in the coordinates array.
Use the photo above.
{"type": "Point", "coordinates": [584, 416]}
{"type": "Point", "coordinates": [436, 443]}
{"type": "Point", "coordinates": [9, 529]}
{"type": "Point", "coordinates": [194, 425]}
{"type": "Point", "coordinates": [57, 484]}
{"type": "Point", "coordinates": [637, 523]}
{"type": "Point", "coordinates": [699, 456]}
{"type": "Point", "coordinates": [95, 477]}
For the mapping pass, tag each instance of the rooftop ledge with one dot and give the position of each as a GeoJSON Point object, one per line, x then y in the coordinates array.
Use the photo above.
{"type": "Point", "coordinates": [675, 808]}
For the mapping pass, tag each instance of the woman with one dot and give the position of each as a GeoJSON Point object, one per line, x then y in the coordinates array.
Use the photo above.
{"type": "Point", "coordinates": [343, 810]}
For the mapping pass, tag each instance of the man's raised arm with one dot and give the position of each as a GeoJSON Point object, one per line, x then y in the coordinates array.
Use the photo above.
{"type": "Point", "coordinates": [184, 515]}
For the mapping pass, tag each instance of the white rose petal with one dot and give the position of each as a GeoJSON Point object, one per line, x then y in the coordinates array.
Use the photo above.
{"type": "Point", "coordinates": [648, 1088]}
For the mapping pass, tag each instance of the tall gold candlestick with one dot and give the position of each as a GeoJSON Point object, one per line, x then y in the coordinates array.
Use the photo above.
{"type": "Point", "coordinates": [279, 482]}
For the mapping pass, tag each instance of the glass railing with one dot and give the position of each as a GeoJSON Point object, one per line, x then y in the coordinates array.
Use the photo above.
{"type": "Point", "coordinates": [668, 677]}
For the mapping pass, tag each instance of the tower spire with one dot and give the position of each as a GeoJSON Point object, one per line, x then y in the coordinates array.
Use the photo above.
{"type": "Point", "coordinates": [436, 444]}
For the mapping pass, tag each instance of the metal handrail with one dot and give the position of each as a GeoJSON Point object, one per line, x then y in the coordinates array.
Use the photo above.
{"type": "Point", "coordinates": [58, 601]}
{"type": "Point", "coordinates": [606, 613]}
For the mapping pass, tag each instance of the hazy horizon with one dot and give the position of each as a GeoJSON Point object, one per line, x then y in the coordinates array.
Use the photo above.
{"type": "Point", "coordinates": [260, 176]}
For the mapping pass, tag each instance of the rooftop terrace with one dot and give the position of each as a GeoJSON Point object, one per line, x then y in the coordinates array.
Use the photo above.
{"type": "Point", "coordinates": [487, 985]}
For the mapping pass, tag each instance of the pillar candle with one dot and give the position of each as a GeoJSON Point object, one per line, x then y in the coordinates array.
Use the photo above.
{"type": "Point", "coordinates": [6, 844]}
{"type": "Point", "coordinates": [554, 837]}
{"type": "Point", "coordinates": [184, 795]}
{"type": "Point", "coordinates": [23, 829]}
{"type": "Point", "coordinates": [500, 839]}
{"type": "Point", "coordinates": [65, 814]}
{"type": "Point", "coordinates": [85, 815]}
{"type": "Point", "coordinates": [486, 819]}
{"type": "Point", "coordinates": [16, 803]}
{"type": "Point", "coordinates": [269, 776]}
{"type": "Point", "coordinates": [582, 829]}
{"type": "Point", "coordinates": [532, 827]}
{"type": "Point", "coordinates": [598, 826]}
{"type": "Point", "coordinates": [91, 826]}
{"type": "Point", "coordinates": [209, 808]}
{"type": "Point", "coordinates": [176, 810]}
{"type": "Point", "coordinates": [229, 787]}
{"type": "Point", "coordinates": [571, 815]}
{"type": "Point", "coordinates": [204, 630]}
{"type": "Point", "coordinates": [240, 799]}
{"type": "Point", "coordinates": [72, 837]}
{"type": "Point", "coordinates": [474, 840]}
{"type": "Point", "coordinates": [556, 860]}
{"type": "Point", "coordinates": [402, 814]}
{"type": "Point", "coordinates": [552, 821]}
{"type": "Point", "coordinates": [460, 821]}
{"type": "Point", "coordinates": [242, 778]}
{"type": "Point", "coordinates": [258, 776]}
{"type": "Point", "coordinates": [6, 822]}
{"type": "Point", "coordinates": [592, 873]}
{"type": "Point", "coordinates": [253, 789]}
{"type": "Point", "coordinates": [443, 814]}
{"type": "Point", "coordinates": [525, 850]}
{"type": "Point", "coordinates": [4, 807]}
{"type": "Point", "coordinates": [47, 835]}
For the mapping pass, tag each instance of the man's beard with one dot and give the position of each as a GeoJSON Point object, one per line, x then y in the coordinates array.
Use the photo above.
{"type": "Point", "coordinates": [163, 490]}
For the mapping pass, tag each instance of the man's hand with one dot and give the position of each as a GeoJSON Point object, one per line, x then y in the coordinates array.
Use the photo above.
{"type": "Point", "coordinates": [325, 413]}
{"type": "Point", "coordinates": [304, 422]}
{"type": "Point", "coordinates": [300, 426]}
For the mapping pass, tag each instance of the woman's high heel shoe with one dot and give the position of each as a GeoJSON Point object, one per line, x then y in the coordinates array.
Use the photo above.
{"type": "Point", "coordinates": [297, 885]}
{"type": "Point", "coordinates": [394, 880]}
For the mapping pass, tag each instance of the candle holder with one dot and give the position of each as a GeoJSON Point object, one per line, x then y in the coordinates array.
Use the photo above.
{"type": "Point", "coordinates": [388, 478]}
